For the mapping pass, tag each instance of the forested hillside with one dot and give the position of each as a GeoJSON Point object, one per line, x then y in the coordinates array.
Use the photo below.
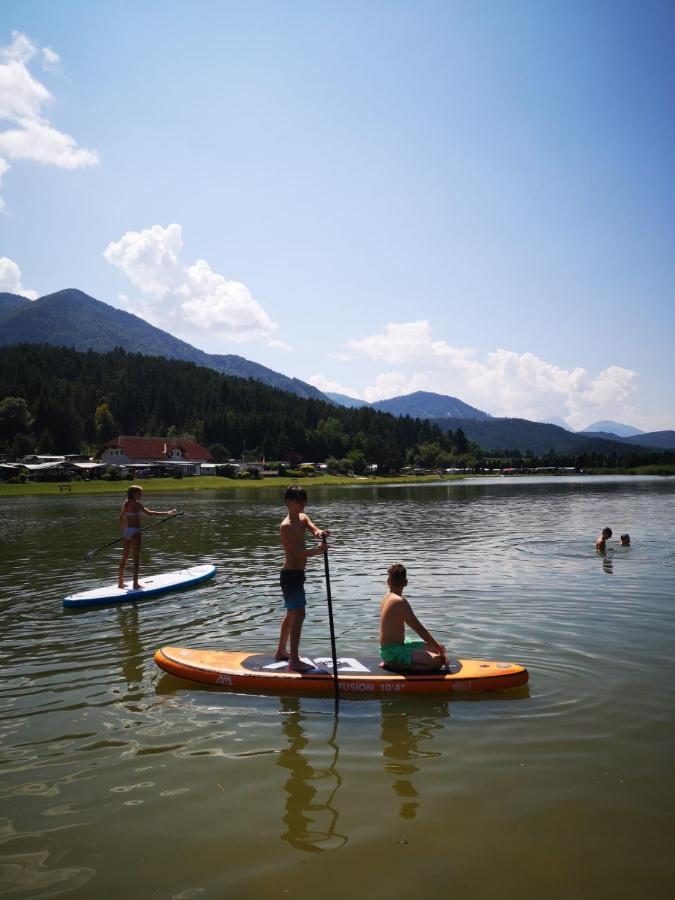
{"type": "Point", "coordinates": [71, 318]}
{"type": "Point", "coordinates": [61, 400]}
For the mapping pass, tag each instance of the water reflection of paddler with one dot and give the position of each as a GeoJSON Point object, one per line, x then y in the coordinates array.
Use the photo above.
{"type": "Point", "coordinates": [132, 649]}
{"type": "Point", "coordinates": [403, 729]}
{"type": "Point", "coordinates": [305, 805]}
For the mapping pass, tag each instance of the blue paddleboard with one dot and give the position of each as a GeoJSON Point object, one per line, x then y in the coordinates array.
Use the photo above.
{"type": "Point", "coordinates": [153, 585]}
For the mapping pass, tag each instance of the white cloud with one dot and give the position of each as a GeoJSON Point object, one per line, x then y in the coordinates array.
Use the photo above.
{"type": "Point", "coordinates": [4, 168]}
{"type": "Point", "coordinates": [504, 383]}
{"type": "Point", "coordinates": [194, 296]}
{"type": "Point", "coordinates": [22, 100]}
{"type": "Point", "coordinates": [39, 141]}
{"type": "Point", "coordinates": [10, 279]}
{"type": "Point", "coordinates": [20, 50]}
{"type": "Point", "coordinates": [326, 385]}
{"type": "Point", "coordinates": [280, 345]}
{"type": "Point", "coordinates": [51, 60]}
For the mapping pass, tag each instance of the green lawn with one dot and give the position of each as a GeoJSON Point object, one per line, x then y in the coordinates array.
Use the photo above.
{"type": "Point", "coordinates": [201, 483]}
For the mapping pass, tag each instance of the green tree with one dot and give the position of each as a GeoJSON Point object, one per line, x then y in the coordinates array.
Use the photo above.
{"type": "Point", "coordinates": [219, 453]}
{"type": "Point", "coordinates": [22, 445]}
{"type": "Point", "coordinates": [15, 417]}
{"type": "Point", "coordinates": [356, 461]}
{"type": "Point", "coordinates": [106, 428]}
{"type": "Point", "coordinates": [45, 443]}
{"type": "Point", "coordinates": [460, 442]}
{"type": "Point", "coordinates": [332, 432]}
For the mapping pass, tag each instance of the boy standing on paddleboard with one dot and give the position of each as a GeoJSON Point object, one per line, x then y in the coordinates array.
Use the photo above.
{"type": "Point", "coordinates": [130, 523]}
{"type": "Point", "coordinates": [397, 652]}
{"type": "Point", "coordinates": [292, 577]}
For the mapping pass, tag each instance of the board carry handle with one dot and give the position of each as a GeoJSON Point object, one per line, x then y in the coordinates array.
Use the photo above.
{"type": "Point", "coordinates": [90, 554]}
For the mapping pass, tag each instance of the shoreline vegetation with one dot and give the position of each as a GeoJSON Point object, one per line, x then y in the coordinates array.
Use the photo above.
{"type": "Point", "coordinates": [218, 483]}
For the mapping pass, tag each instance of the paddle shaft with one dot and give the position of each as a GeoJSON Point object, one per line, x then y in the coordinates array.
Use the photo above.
{"type": "Point", "coordinates": [333, 651]}
{"type": "Point", "coordinates": [91, 553]}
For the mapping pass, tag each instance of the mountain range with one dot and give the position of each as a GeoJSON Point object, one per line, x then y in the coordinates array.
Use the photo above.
{"type": "Point", "coordinates": [71, 318]}
{"type": "Point", "coordinates": [539, 437]}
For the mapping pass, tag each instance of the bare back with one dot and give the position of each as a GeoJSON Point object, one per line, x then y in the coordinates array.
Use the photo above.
{"type": "Point", "coordinates": [393, 613]}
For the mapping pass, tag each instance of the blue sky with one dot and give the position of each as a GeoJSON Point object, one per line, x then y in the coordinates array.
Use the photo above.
{"type": "Point", "coordinates": [476, 198]}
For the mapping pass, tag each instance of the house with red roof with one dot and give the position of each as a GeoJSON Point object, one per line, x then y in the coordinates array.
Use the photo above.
{"type": "Point", "coordinates": [153, 453]}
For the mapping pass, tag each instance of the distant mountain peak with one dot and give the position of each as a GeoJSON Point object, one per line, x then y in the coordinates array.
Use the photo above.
{"type": "Point", "coordinates": [429, 405]}
{"type": "Point", "coordinates": [607, 426]}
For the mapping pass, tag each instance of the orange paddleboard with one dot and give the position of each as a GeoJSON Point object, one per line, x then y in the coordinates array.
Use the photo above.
{"type": "Point", "coordinates": [260, 673]}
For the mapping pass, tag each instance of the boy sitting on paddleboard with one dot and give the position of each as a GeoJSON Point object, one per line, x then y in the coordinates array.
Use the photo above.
{"type": "Point", "coordinates": [397, 652]}
{"type": "Point", "coordinates": [130, 523]}
{"type": "Point", "coordinates": [292, 577]}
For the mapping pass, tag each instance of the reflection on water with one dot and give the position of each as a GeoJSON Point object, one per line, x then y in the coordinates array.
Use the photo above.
{"type": "Point", "coordinates": [131, 650]}
{"type": "Point", "coordinates": [311, 811]}
{"type": "Point", "coordinates": [607, 564]}
{"type": "Point", "coordinates": [312, 806]}
{"type": "Point", "coordinates": [406, 738]}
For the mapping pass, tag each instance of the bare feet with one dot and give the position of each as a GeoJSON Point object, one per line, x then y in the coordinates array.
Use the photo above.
{"type": "Point", "coordinates": [138, 587]}
{"type": "Point", "coordinates": [281, 656]}
{"type": "Point", "coordinates": [121, 585]}
{"type": "Point", "coordinates": [299, 666]}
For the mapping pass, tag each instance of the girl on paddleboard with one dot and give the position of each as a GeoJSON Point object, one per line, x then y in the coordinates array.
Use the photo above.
{"type": "Point", "coordinates": [130, 523]}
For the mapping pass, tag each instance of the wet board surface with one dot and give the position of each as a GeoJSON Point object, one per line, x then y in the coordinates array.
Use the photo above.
{"type": "Point", "coordinates": [153, 586]}
{"type": "Point", "coordinates": [261, 673]}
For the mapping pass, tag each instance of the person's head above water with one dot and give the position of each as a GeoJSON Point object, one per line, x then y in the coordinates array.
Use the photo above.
{"type": "Point", "coordinates": [607, 532]}
{"type": "Point", "coordinates": [625, 540]}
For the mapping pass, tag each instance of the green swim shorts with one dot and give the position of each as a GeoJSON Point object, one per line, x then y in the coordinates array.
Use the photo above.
{"type": "Point", "coordinates": [400, 654]}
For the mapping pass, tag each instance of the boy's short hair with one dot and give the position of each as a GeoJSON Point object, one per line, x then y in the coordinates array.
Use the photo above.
{"type": "Point", "coordinates": [607, 531]}
{"type": "Point", "coordinates": [625, 539]}
{"type": "Point", "coordinates": [397, 573]}
{"type": "Point", "coordinates": [295, 493]}
{"type": "Point", "coordinates": [134, 489]}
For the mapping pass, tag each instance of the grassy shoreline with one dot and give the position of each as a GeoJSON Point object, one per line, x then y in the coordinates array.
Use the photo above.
{"type": "Point", "coordinates": [204, 483]}
{"type": "Point", "coordinates": [217, 483]}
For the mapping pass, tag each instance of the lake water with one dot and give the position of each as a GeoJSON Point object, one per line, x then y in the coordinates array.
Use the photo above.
{"type": "Point", "coordinates": [121, 781]}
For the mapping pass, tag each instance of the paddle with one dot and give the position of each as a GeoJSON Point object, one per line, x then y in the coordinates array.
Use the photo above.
{"type": "Point", "coordinates": [90, 554]}
{"type": "Point", "coordinates": [332, 628]}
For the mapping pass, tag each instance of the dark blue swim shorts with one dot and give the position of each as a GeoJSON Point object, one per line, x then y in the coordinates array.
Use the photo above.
{"type": "Point", "coordinates": [293, 588]}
